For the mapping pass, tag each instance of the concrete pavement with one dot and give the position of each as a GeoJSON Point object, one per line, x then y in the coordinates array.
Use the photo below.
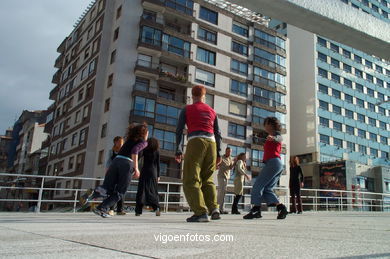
{"type": "Point", "coordinates": [85, 235]}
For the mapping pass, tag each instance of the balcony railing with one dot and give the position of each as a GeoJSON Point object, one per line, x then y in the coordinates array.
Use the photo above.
{"type": "Point", "coordinates": [269, 63]}
{"type": "Point", "coordinates": [56, 77]}
{"type": "Point", "coordinates": [178, 77]}
{"type": "Point", "coordinates": [268, 101]}
{"type": "Point", "coordinates": [260, 120]}
{"type": "Point", "coordinates": [268, 82]}
{"type": "Point", "coordinates": [178, 6]}
{"type": "Point", "coordinates": [269, 44]}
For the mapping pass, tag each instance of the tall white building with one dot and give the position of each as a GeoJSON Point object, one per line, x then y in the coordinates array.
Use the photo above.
{"type": "Point", "coordinates": [135, 61]}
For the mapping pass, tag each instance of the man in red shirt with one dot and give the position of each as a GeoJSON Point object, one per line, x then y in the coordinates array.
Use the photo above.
{"type": "Point", "coordinates": [201, 157]}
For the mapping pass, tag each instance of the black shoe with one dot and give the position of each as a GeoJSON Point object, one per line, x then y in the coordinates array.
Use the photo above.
{"type": "Point", "coordinates": [292, 212]}
{"type": "Point", "coordinates": [236, 212]}
{"type": "Point", "coordinates": [201, 218]}
{"type": "Point", "coordinates": [215, 214]}
{"type": "Point", "coordinates": [101, 213]}
{"type": "Point", "coordinates": [299, 212]}
{"type": "Point", "coordinates": [253, 215]}
{"type": "Point", "coordinates": [282, 211]}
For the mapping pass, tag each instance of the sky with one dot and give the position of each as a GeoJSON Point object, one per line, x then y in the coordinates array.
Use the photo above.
{"type": "Point", "coordinates": [30, 32]}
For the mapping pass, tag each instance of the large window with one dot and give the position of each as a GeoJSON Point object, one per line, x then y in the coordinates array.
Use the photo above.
{"type": "Point", "coordinates": [237, 131]}
{"type": "Point", "coordinates": [167, 114]}
{"type": "Point", "coordinates": [236, 150]}
{"type": "Point", "coordinates": [257, 158]}
{"type": "Point", "coordinates": [324, 139]}
{"type": "Point", "coordinates": [151, 36]}
{"type": "Point", "coordinates": [207, 35]}
{"type": "Point", "coordinates": [323, 88]}
{"type": "Point", "coordinates": [208, 15]}
{"type": "Point", "coordinates": [204, 77]}
{"type": "Point", "coordinates": [260, 114]}
{"type": "Point", "coordinates": [324, 122]}
{"type": "Point", "coordinates": [176, 45]}
{"type": "Point", "coordinates": [240, 29]}
{"type": "Point", "coordinates": [141, 84]}
{"type": "Point", "coordinates": [337, 126]}
{"type": "Point", "coordinates": [144, 107]}
{"type": "Point", "coordinates": [166, 139]}
{"type": "Point", "coordinates": [269, 41]}
{"type": "Point", "coordinates": [237, 108]}
{"type": "Point", "coordinates": [361, 133]}
{"type": "Point", "coordinates": [239, 67]}
{"type": "Point", "coordinates": [184, 6]}
{"type": "Point", "coordinates": [239, 48]}
{"type": "Point", "coordinates": [269, 59]}
{"type": "Point", "coordinates": [270, 98]}
{"type": "Point", "coordinates": [269, 78]}
{"type": "Point", "coordinates": [324, 105]}
{"type": "Point", "coordinates": [238, 87]}
{"type": "Point", "coordinates": [205, 56]}
{"type": "Point", "coordinates": [350, 130]}
{"type": "Point", "coordinates": [338, 142]}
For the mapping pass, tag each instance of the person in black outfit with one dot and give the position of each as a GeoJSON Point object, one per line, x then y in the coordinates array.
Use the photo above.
{"type": "Point", "coordinates": [296, 182]}
{"type": "Point", "coordinates": [118, 176]}
{"type": "Point", "coordinates": [147, 193]}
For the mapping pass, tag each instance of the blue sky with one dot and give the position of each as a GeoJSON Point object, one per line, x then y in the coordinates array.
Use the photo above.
{"type": "Point", "coordinates": [30, 34]}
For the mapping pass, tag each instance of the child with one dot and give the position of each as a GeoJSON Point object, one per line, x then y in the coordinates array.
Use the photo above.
{"type": "Point", "coordinates": [118, 176]}
{"type": "Point", "coordinates": [265, 182]}
{"type": "Point", "coordinates": [147, 193]}
{"type": "Point", "coordinates": [118, 143]}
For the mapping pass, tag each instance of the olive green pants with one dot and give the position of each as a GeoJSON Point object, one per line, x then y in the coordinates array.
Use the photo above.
{"type": "Point", "coordinates": [198, 185]}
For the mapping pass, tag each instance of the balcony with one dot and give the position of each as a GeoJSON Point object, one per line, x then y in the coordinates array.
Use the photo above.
{"type": "Point", "coordinates": [146, 66]}
{"type": "Point", "coordinates": [178, 78]}
{"type": "Point", "coordinates": [271, 64]}
{"type": "Point", "coordinates": [173, 4]}
{"type": "Point", "coordinates": [62, 46]}
{"type": "Point", "coordinates": [270, 45]}
{"type": "Point", "coordinates": [57, 77]}
{"type": "Point", "coordinates": [269, 102]}
{"type": "Point", "coordinates": [269, 82]}
{"type": "Point", "coordinates": [59, 61]}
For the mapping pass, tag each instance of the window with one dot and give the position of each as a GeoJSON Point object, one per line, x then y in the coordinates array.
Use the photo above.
{"type": "Point", "coordinates": [358, 73]}
{"type": "Point", "coordinates": [239, 88]}
{"type": "Point", "coordinates": [359, 102]}
{"type": "Point", "coordinates": [166, 139]}
{"type": "Point", "coordinates": [336, 93]}
{"type": "Point", "coordinates": [167, 114]}
{"type": "Point", "coordinates": [338, 142]}
{"type": "Point", "coordinates": [269, 78]}
{"type": "Point", "coordinates": [323, 88]}
{"type": "Point", "coordinates": [349, 114]}
{"type": "Point", "coordinates": [258, 116]}
{"type": "Point", "coordinates": [374, 152]}
{"type": "Point", "coordinates": [381, 97]}
{"type": "Point", "coordinates": [337, 126]}
{"type": "Point", "coordinates": [324, 122]}
{"type": "Point", "coordinates": [166, 93]}
{"type": "Point", "coordinates": [70, 163]}
{"type": "Point", "coordinates": [207, 35]}
{"type": "Point", "coordinates": [149, 15]}
{"type": "Point", "coordinates": [85, 111]}
{"type": "Point", "coordinates": [322, 72]}
{"type": "Point", "coordinates": [368, 63]}
{"type": "Point", "coordinates": [347, 83]}
{"type": "Point", "coordinates": [82, 137]}
{"type": "Point", "coordinates": [334, 47]}
{"type": "Point", "coordinates": [163, 168]}
{"type": "Point", "coordinates": [350, 130]}
{"type": "Point", "coordinates": [144, 107]}
{"type": "Point", "coordinates": [237, 108]}
{"type": "Point", "coordinates": [103, 133]}
{"type": "Point", "coordinates": [358, 59]}
{"type": "Point", "coordinates": [176, 45]}
{"type": "Point", "coordinates": [239, 67]}
{"type": "Point", "coordinates": [379, 82]}
{"type": "Point", "coordinates": [236, 150]}
{"type": "Point", "coordinates": [324, 105]}
{"type": "Point", "coordinates": [369, 78]}
{"type": "Point", "coordinates": [382, 125]}
{"type": "Point", "coordinates": [361, 133]}
{"type": "Point", "coordinates": [337, 109]}
{"type": "Point", "coordinates": [335, 62]}
{"type": "Point", "coordinates": [113, 56]}
{"type": "Point", "coordinates": [346, 53]}
{"type": "Point", "coordinates": [109, 81]}
{"type": "Point", "coordinates": [347, 68]}
{"type": "Point", "coordinates": [324, 139]}
{"type": "Point", "coordinates": [204, 77]}
{"type": "Point", "coordinates": [239, 48]}
{"type": "Point", "coordinates": [107, 105]}
{"type": "Point", "coordinates": [385, 155]}
{"type": "Point", "coordinates": [351, 146]}
{"type": "Point", "coordinates": [141, 84]}
{"type": "Point", "coordinates": [384, 140]}
{"type": "Point", "coordinates": [74, 139]}
{"type": "Point", "coordinates": [359, 87]}
{"type": "Point", "coordinates": [144, 60]}
{"type": "Point", "coordinates": [373, 136]}
{"type": "Point", "coordinates": [370, 92]}
{"type": "Point", "coordinates": [372, 122]}
{"type": "Point", "coordinates": [269, 98]}
{"type": "Point", "coordinates": [79, 161]}
{"type": "Point", "coordinates": [116, 34]}
{"type": "Point", "coordinates": [100, 157]}
{"type": "Point", "coordinates": [363, 149]}
{"type": "Point", "coordinates": [208, 15]}
{"type": "Point", "coordinates": [268, 59]}
{"type": "Point", "coordinates": [151, 36]}
{"type": "Point", "coordinates": [378, 69]}
{"type": "Point", "coordinates": [236, 131]}
{"type": "Point", "coordinates": [321, 41]}
{"type": "Point", "coordinates": [335, 78]}
{"type": "Point", "coordinates": [382, 111]}
{"type": "Point", "coordinates": [361, 118]}
{"type": "Point", "coordinates": [371, 107]}
{"type": "Point", "coordinates": [205, 56]}
{"type": "Point", "coordinates": [269, 41]}
{"type": "Point", "coordinates": [119, 12]}
{"type": "Point", "coordinates": [257, 157]}
{"type": "Point", "coordinates": [81, 95]}
{"type": "Point", "coordinates": [184, 6]}
{"type": "Point", "coordinates": [322, 57]}
{"type": "Point", "coordinates": [240, 29]}
{"type": "Point", "coordinates": [348, 98]}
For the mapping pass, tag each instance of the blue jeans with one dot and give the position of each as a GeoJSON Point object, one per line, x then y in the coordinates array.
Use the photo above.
{"type": "Point", "coordinates": [262, 190]}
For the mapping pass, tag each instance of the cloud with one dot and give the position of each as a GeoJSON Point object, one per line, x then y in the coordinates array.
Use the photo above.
{"type": "Point", "coordinates": [30, 34]}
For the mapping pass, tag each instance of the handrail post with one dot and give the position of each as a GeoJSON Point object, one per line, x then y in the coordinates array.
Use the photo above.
{"type": "Point", "coordinates": [40, 196]}
{"type": "Point", "coordinates": [316, 197]}
{"type": "Point", "coordinates": [75, 201]}
{"type": "Point", "coordinates": [167, 204]}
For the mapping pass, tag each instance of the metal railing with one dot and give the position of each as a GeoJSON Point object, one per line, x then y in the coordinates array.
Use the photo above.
{"type": "Point", "coordinates": [312, 199]}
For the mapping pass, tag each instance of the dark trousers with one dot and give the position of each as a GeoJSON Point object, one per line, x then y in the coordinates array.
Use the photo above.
{"type": "Point", "coordinates": [147, 195]}
{"type": "Point", "coordinates": [295, 197]}
{"type": "Point", "coordinates": [119, 206]}
{"type": "Point", "coordinates": [116, 182]}
{"type": "Point", "coordinates": [235, 203]}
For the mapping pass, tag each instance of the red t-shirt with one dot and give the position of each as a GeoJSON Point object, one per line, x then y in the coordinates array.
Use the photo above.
{"type": "Point", "coordinates": [200, 117]}
{"type": "Point", "coordinates": [272, 148]}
